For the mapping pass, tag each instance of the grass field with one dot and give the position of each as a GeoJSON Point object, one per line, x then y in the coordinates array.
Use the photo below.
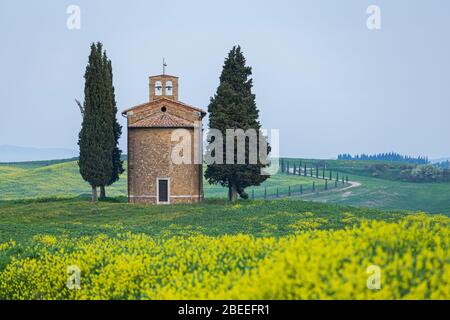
{"type": "Point", "coordinates": [277, 249]}
{"type": "Point", "coordinates": [21, 220]}
{"type": "Point", "coordinates": [47, 179]}
{"type": "Point", "coordinates": [358, 167]}
{"type": "Point", "coordinates": [43, 179]}
{"type": "Point", "coordinates": [388, 194]}
{"type": "Point", "coordinates": [385, 192]}
{"type": "Point", "coordinates": [281, 249]}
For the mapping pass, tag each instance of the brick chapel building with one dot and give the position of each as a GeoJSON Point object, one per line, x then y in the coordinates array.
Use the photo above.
{"type": "Point", "coordinates": [152, 176]}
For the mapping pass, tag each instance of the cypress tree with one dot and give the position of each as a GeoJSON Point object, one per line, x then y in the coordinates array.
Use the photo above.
{"type": "Point", "coordinates": [234, 107]}
{"type": "Point", "coordinates": [95, 160]}
{"type": "Point", "coordinates": [117, 128]}
{"type": "Point", "coordinates": [99, 159]}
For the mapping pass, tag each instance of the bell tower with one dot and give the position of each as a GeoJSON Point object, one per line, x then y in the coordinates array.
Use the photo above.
{"type": "Point", "coordinates": [163, 86]}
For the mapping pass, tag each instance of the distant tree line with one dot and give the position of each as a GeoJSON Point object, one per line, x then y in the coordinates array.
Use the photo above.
{"type": "Point", "coordinates": [315, 168]}
{"type": "Point", "coordinates": [443, 164]}
{"type": "Point", "coordinates": [390, 156]}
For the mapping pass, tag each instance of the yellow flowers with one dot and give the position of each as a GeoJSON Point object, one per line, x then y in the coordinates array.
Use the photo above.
{"type": "Point", "coordinates": [46, 239]}
{"type": "Point", "coordinates": [312, 223]}
{"type": "Point", "coordinates": [7, 245]}
{"type": "Point", "coordinates": [413, 256]}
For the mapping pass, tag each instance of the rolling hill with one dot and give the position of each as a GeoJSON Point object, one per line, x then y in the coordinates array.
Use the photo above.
{"type": "Point", "coordinates": [261, 249]}
{"type": "Point", "coordinates": [46, 179]}
{"type": "Point", "coordinates": [62, 179]}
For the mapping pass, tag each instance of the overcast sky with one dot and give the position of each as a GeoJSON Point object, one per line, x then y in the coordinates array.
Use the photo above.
{"type": "Point", "coordinates": [321, 76]}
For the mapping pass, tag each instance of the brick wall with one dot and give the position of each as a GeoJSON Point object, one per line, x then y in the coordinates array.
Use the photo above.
{"type": "Point", "coordinates": [149, 151]}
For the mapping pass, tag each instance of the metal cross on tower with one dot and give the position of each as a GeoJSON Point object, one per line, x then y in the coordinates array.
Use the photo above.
{"type": "Point", "coordinates": [164, 66]}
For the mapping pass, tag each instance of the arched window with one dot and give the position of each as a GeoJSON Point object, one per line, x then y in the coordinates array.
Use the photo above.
{"type": "Point", "coordinates": [169, 88]}
{"type": "Point", "coordinates": [158, 88]}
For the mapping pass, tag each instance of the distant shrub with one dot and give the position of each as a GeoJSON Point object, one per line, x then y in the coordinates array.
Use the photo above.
{"type": "Point", "coordinates": [426, 173]}
{"type": "Point", "coordinates": [409, 172]}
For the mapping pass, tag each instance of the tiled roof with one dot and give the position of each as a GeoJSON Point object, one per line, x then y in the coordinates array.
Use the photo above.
{"type": "Point", "coordinates": [163, 75]}
{"type": "Point", "coordinates": [161, 100]}
{"type": "Point", "coordinates": [162, 120]}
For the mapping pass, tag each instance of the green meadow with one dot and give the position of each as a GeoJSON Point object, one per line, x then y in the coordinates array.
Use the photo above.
{"type": "Point", "coordinates": [56, 179]}
{"type": "Point", "coordinates": [43, 180]}
{"type": "Point", "coordinates": [382, 190]}
{"type": "Point", "coordinates": [388, 194]}
{"type": "Point", "coordinates": [23, 219]}
{"type": "Point", "coordinates": [48, 223]}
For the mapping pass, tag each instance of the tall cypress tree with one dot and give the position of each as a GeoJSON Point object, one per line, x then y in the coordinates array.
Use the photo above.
{"type": "Point", "coordinates": [97, 136]}
{"type": "Point", "coordinates": [117, 163]}
{"type": "Point", "coordinates": [234, 107]}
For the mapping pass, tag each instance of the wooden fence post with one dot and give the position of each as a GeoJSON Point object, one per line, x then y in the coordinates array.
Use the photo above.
{"type": "Point", "coordinates": [289, 191]}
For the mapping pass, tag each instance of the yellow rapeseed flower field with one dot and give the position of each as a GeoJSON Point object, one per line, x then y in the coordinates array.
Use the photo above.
{"type": "Point", "coordinates": [412, 254]}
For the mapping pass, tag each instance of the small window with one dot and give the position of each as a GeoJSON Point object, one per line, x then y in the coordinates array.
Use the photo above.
{"type": "Point", "coordinates": [169, 88]}
{"type": "Point", "coordinates": [158, 88]}
{"type": "Point", "coordinates": [163, 191]}
{"type": "Point", "coordinates": [163, 109]}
